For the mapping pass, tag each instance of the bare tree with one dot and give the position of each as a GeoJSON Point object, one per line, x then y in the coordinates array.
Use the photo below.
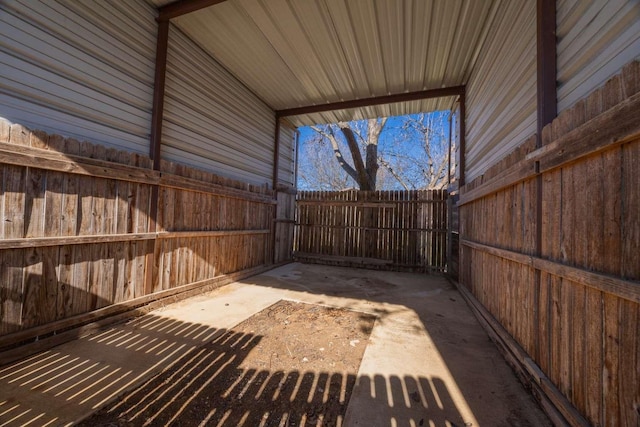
{"type": "Point", "coordinates": [364, 172]}
{"type": "Point", "coordinates": [413, 155]}
{"type": "Point", "coordinates": [318, 170]}
{"type": "Point", "coordinates": [425, 166]}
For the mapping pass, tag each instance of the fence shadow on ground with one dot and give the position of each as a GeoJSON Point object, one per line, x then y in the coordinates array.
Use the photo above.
{"type": "Point", "coordinates": [209, 387]}
{"type": "Point", "coordinates": [204, 384]}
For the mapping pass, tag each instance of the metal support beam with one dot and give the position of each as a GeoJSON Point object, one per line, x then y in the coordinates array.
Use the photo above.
{"type": "Point", "coordinates": [182, 7]}
{"type": "Point", "coordinates": [276, 162]}
{"type": "Point", "coordinates": [546, 61]}
{"type": "Point", "coordinates": [547, 111]}
{"type": "Point", "coordinates": [378, 100]}
{"type": "Point", "coordinates": [157, 112]}
{"type": "Point", "coordinates": [276, 154]}
{"type": "Point", "coordinates": [162, 45]}
{"type": "Point", "coordinates": [463, 141]}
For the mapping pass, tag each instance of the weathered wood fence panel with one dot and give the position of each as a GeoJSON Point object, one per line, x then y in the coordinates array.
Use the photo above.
{"type": "Point", "coordinates": [84, 228]}
{"type": "Point", "coordinates": [379, 229]}
{"type": "Point", "coordinates": [573, 303]}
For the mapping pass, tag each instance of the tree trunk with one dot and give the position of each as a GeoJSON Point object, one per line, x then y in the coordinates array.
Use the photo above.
{"type": "Point", "coordinates": [364, 179]}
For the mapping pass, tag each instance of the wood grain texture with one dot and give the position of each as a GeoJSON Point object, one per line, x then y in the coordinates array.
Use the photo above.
{"type": "Point", "coordinates": [587, 298]}
{"type": "Point", "coordinates": [77, 234]}
{"type": "Point", "coordinates": [404, 229]}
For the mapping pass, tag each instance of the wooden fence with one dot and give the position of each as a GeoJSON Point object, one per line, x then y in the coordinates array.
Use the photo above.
{"type": "Point", "coordinates": [551, 249]}
{"type": "Point", "coordinates": [401, 230]}
{"type": "Point", "coordinates": [88, 231]}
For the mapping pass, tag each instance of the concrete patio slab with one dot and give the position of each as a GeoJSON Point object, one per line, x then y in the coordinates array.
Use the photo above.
{"type": "Point", "coordinates": [428, 361]}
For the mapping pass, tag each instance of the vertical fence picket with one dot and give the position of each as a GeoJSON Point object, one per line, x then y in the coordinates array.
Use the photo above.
{"type": "Point", "coordinates": [382, 229]}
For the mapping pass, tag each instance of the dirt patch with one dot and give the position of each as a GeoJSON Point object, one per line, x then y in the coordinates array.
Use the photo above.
{"type": "Point", "coordinates": [292, 364]}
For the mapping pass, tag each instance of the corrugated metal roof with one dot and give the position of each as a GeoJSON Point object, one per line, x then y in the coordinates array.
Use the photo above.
{"type": "Point", "coordinates": [294, 53]}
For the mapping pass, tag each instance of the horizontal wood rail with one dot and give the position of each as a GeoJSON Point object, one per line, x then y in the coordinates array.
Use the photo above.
{"type": "Point", "coordinates": [594, 136]}
{"type": "Point", "coordinates": [182, 183]}
{"type": "Point", "coordinates": [39, 242]}
{"type": "Point", "coordinates": [626, 289]}
{"type": "Point", "coordinates": [21, 155]}
{"type": "Point", "coordinates": [612, 127]}
{"type": "Point", "coordinates": [362, 227]}
{"type": "Point", "coordinates": [363, 204]}
{"type": "Point", "coordinates": [284, 221]}
{"type": "Point", "coordinates": [521, 171]}
{"type": "Point", "coordinates": [342, 258]}
{"type": "Point", "coordinates": [212, 233]}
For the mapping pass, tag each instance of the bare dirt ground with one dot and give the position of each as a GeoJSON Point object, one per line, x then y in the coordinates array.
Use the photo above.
{"type": "Point", "coordinates": [292, 364]}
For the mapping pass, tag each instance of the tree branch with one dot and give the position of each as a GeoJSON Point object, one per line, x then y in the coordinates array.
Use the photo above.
{"type": "Point", "coordinates": [385, 164]}
{"type": "Point", "coordinates": [336, 151]}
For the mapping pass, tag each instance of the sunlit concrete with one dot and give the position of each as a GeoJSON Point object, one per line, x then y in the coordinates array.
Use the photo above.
{"type": "Point", "coordinates": [428, 361]}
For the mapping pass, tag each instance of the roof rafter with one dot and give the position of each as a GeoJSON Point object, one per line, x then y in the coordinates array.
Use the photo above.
{"type": "Point", "coordinates": [376, 100]}
{"type": "Point", "coordinates": [182, 7]}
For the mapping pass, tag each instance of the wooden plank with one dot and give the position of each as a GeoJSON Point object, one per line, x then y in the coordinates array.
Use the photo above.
{"type": "Point", "coordinates": [382, 228]}
{"type": "Point", "coordinates": [630, 225]}
{"type": "Point", "coordinates": [523, 363]}
{"type": "Point", "coordinates": [629, 363]}
{"type": "Point", "coordinates": [37, 307]}
{"type": "Point", "coordinates": [371, 202]}
{"type": "Point", "coordinates": [22, 155]}
{"type": "Point", "coordinates": [176, 181]}
{"type": "Point", "coordinates": [613, 127]}
{"type": "Point", "coordinates": [53, 214]}
{"type": "Point", "coordinates": [543, 358]}
{"type": "Point", "coordinates": [631, 78]}
{"type": "Point", "coordinates": [565, 309]}
{"type": "Point", "coordinates": [552, 214]}
{"type": "Point", "coordinates": [594, 356]}
{"type": "Point", "coordinates": [83, 261]}
{"type": "Point", "coordinates": [166, 265]}
{"type": "Point", "coordinates": [13, 261]}
{"type": "Point", "coordinates": [571, 416]}
{"type": "Point", "coordinates": [626, 289]}
{"type": "Point", "coordinates": [37, 242]}
{"type": "Point", "coordinates": [108, 312]}
{"type": "Point", "coordinates": [578, 347]}
{"type": "Point", "coordinates": [68, 227]}
{"type": "Point", "coordinates": [123, 290]}
{"type": "Point", "coordinates": [521, 171]}
{"type": "Point", "coordinates": [98, 288]}
{"type": "Point", "coordinates": [611, 354]}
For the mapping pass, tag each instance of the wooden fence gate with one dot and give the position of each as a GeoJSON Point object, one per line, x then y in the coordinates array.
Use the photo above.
{"type": "Point", "coordinates": [394, 230]}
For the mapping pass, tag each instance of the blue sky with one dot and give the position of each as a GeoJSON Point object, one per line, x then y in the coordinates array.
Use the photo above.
{"type": "Point", "coordinates": [411, 144]}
